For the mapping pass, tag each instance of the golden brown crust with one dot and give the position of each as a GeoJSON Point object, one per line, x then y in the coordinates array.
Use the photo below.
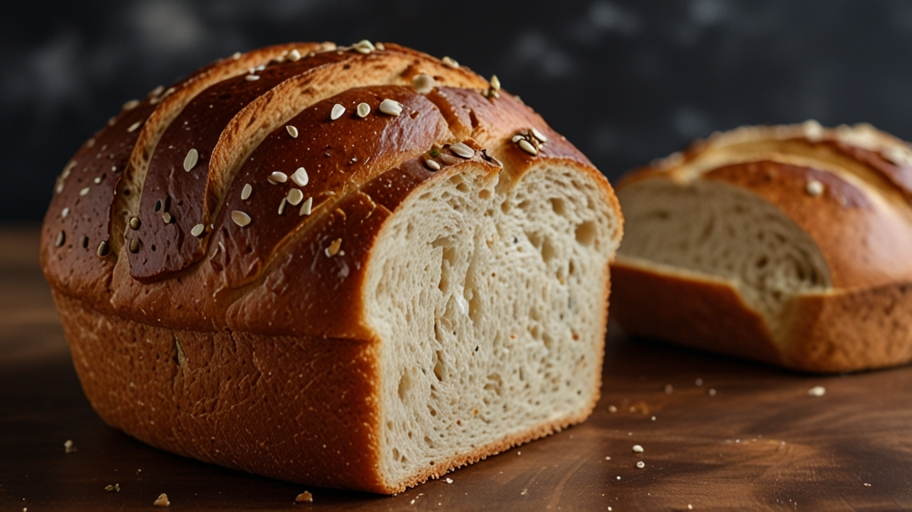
{"type": "Point", "coordinates": [849, 189]}
{"type": "Point", "coordinates": [213, 329]}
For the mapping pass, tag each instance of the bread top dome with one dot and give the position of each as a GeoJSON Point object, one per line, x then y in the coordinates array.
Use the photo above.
{"type": "Point", "coordinates": [203, 191]}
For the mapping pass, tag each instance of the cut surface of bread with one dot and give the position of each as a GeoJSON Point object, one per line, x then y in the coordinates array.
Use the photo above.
{"type": "Point", "coordinates": [357, 267]}
{"type": "Point", "coordinates": [740, 240]}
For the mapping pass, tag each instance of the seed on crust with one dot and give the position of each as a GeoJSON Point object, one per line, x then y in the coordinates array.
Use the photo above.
{"type": "Point", "coordinates": [337, 112]}
{"type": "Point", "coordinates": [637, 448]}
{"type": "Point", "coordinates": [304, 497]}
{"type": "Point", "coordinates": [300, 177]}
{"type": "Point", "coordinates": [251, 78]}
{"type": "Point", "coordinates": [103, 249]}
{"type": "Point", "coordinates": [295, 196]}
{"type": "Point", "coordinates": [538, 135]}
{"type": "Point", "coordinates": [364, 46]}
{"type": "Point", "coordinates": [282, 206]}
{"type": "Point", "coordinates": [240, 218]}
{"type": "Point", "coordinates": [294, 55]}
{"type": "Point", "coordinates": [130, 105]}
{"type": "Point", "coordinates": [390, 107]}
{"type": "Point", "coordinates": [495, 83]}
{"type": "Point", "coordinates": [84, 191]}
{"type": "Point", "coordinates": [306, 207]}
{"type": "Point", "coordinates": [363, 109]}
{"type": "Point", "coordinates": [333, 248]}
{"type": "Point", "coordinates": [64, 213]}
{"type": "Point", "coordinates": [198, 230]}
{"type": "Point", "coordinates": [527, 146]}
{"type": "Point", "coordinates": [423, 83]}
{"type": "Point", "coordinates": [432, 165]}
{"type": "Point", "coordinates": [814, 188]}
{"type": "Point", "coordinates": [246, 191]}
{"type": "Point", "coordinates": [292, 131]}
{"type": "Point", "coordinates": [277, 177]}
{"type": "Point", "coordinates": [135, 223]}
{"type": "Point", "coordinates": [134, 126]}
{"type": "Point", "coordinates": [134, 245]}
{"type": "Point", "coordinates": [462, 150]}
{"type": "Point", "coordinates": [191, 159]}
{"type": "Point", "coordinates": [516, 138]}
{"type": "Point", "coordinates": [61, 238]}
{"type": "Point", "coordinates": [167, 217]}
{"type": "Point", "coordinates": [450, 63]}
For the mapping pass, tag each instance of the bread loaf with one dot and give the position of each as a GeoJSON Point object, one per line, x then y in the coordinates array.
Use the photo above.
{"type": "Point", "coordinates": [788, 244]}
{"type": "Point", "coordinates": [355, 267]}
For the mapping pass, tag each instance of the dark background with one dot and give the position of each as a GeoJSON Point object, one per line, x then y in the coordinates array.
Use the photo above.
{"type": "Point", "coordinates": [626, 81]}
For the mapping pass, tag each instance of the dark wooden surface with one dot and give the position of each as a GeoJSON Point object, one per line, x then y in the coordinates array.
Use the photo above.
{"type": "Point", "coordinates": [759, 442]}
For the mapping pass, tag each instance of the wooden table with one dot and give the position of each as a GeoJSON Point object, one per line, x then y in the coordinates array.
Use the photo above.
{"type": "Point", "coordinates": [718, 434]}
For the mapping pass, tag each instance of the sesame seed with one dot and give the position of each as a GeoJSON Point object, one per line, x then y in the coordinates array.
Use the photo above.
{"type": "Point", "coordinates": [337, 112]}
{"type": "Point", "coordinates": [637, 448]}
{"type": "Point", "coordinates": [103, 249]}
{"type": "Point", "coordinates": [282, 206]}
{"type": "Point", "coordinates": [84, 191]}
{"type": "Point", "coordinates": [423, 83]}
{"type": "Point", "coordinates": [134, 245]}
{"type": "Point", "coordinates": [669, 389]}
{"type": "Point", "coordinates": [134, 126]}
{"type": "Point", "coordinates": [450, 63]}
{"type": "Point", "coordinates": [462, 150]}
{"type": "Point", "coordinates": [538, 135]}
{"type": "Point", "coordinates": [130, 105]}
{"type": "Point", "coordinates": [240, 218]}
{"type": "Point", "coordinates": [294, 55]}
{"type": "Point", "coordinates": [449, 480]}
{"type": "Point", "coordinates": [432, 165]}
{"type": "Point", "coordinates": [167, 218]}
{"type": "Point", "coordinates": [246, 191]}
{"type": "Point", "coordinates": [612, 409]}
{"type": "Point", "coordinates": [641, 464]}
{"type": "Point", "coordinates": [516, 138]}
{"type": "Point", "coordinates": [380, 46]}
{"type": "Point", "coordinates": [295, 196]}
{"type": "Point", "coordinates": [64, 213]}
{"type": "Point", "coordinates": [390, 107]}
{"type": "Point", "coordinates": [814, 188]}
{"type": "Point", "coordinates": [97, 180]}
{"type": "Point", "coordinates": [135, 223]}
{"type": "Point", "coordinates": [333, 248]}
{"type": "Point", "coordinates": [495, 83]}
{"type": "Point", "coordinates": [712, 391]}
{"type": "Point", "coordinates": [527, 146]}
{"type": "Point", "coordinates": [198, 230]}
{"type": "Point", "coordinates": [306, 207]}
{"type": "Point", "coordinates": [251, 78]}
{"type": "Point", "coordinates": [168, 92]}
{"type": "Point", "coordinates": [157, 91]}
{"type": "Point", "coordinates": [61, 238]}
{"type": "Point", "coordinates": [90, 143]}
{"type": "Point", "coordinates": [698, 382]}
{"type": "Point", "coordinates": [817, 391]}
{"type": "Point", "coordinates": [292, 131]}
{"type": "Point", "coordinates": [363, 109]}
{"type": "Point", "coordinates": [304, 497]}
{"type": "Point", "coordinates": [364, 46]}
{"type": "Point", "coordinates": [191, 159]}
{"type": "Point", "coordinates": [277, 177]}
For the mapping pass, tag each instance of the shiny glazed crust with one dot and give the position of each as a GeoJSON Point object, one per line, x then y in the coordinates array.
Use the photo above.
{"type": "Point", "coordinates": [196, 328]}
{"type": "Point", "coordinates": [858, 215]}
